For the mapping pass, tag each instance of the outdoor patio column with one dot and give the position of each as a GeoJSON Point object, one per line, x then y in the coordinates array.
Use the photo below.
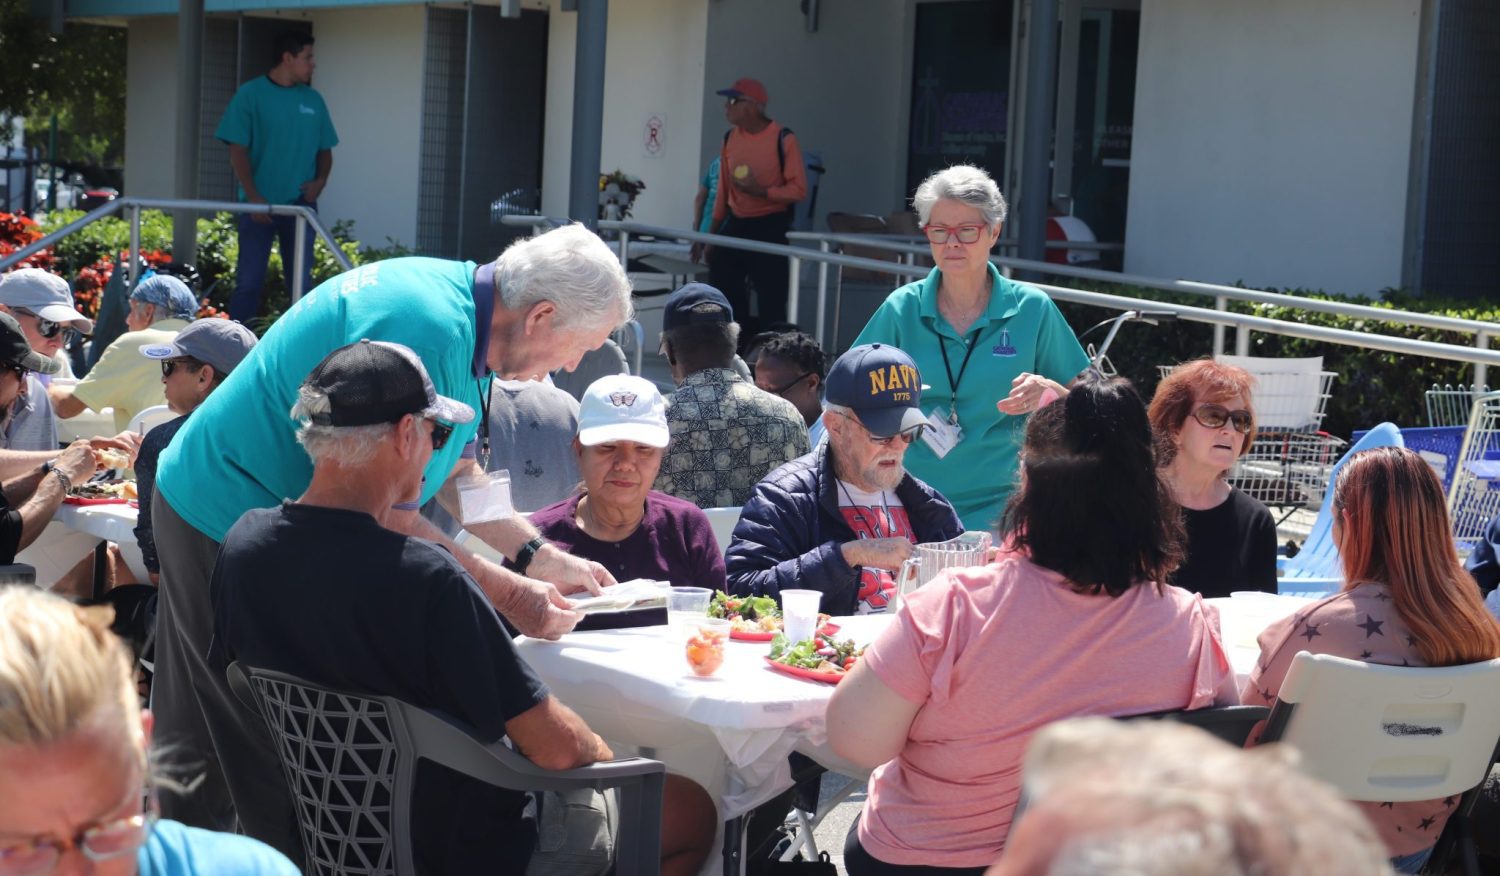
{"type": "Point", "coordinates": [1036, 131]}
{"type": "Point", "coordinates": [189, 111]}
{"type": "Point", "coordinates": [588, 110]}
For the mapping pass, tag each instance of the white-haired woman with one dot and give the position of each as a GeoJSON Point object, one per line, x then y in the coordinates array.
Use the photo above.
{"type": "Point", "coordinates": [74, 767]}
{"type": "Point", "coordinates": [989, 348]}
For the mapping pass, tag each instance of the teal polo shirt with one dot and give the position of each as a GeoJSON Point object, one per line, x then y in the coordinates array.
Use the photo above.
{"type": "Point", "coordinates": [239, 449]}
{"type": "Point", "coordinates": [283, 128]}
{"type": "Point", "coordinates": [1020, 331]}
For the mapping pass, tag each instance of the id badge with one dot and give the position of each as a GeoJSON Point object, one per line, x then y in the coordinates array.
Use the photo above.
{"type": "Point", "coordinates": [941, 434]}
{"type": "Point", "coordinates": [487, 498]}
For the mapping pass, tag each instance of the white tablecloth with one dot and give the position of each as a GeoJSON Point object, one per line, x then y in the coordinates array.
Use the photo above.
{"type": "Point", "coordinates": [732, 733]}
{"type": "Point", "coordinates": [77, 529]}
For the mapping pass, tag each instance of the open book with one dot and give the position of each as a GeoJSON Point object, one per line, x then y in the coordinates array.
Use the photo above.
{"type": "Point", "coordinates": [625, 596]}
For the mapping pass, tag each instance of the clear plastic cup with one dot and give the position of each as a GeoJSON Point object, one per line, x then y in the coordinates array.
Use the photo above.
{"type": "Point", "coordinates": [799, 613]}
{"type": "Point", "coordinates": [704, 639]}
{"type": "Point", "coordinates": [686, 604]}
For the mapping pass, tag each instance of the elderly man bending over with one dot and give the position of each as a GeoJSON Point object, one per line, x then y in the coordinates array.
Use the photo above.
{"type": "Point", "coordinates": [843, 517]}
{"type": "Point", "coordinates": [543, 304]}
{"type": "Point", "coordinates": [387, 613]}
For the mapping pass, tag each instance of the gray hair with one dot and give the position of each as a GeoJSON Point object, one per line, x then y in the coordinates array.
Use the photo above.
{"type": "Point", "coordinates": [1191, 805]}
{"type": "Point", "coordinates": [965, 184]}
{"type": "Point", "coordinates": [339, 445]}
{"type": "Point", "coordinates": [571, 267]}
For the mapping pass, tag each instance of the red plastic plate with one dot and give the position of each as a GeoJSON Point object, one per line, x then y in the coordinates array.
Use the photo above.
{"type": "Point", "coordinates": [807, 674]}
{"type": "Point", "coordinates": [85, 500]}
{"type": "Point", "coordinates": [738, 636]}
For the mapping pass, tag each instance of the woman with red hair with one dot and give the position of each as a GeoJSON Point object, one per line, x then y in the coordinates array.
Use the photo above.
{"type": "Point", "coordinates": [1204, 421]}
{"type": "Point", "coordinates": [1406, 601]}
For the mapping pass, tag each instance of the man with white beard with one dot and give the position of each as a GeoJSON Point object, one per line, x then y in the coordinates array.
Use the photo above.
{"type": "Point", "coordinates": [842, 518]}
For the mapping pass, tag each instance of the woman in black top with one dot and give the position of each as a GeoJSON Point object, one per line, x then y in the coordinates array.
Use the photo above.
{"type": "Point", "coordinates": [1204, 421]}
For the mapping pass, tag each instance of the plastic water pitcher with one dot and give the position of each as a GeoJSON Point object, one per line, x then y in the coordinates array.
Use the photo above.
{"type": "Point", "coordinates": [930, 558]}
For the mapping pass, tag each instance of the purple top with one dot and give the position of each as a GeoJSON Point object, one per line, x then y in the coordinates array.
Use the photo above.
{"type": "Point", "coordinates": [674, 542]}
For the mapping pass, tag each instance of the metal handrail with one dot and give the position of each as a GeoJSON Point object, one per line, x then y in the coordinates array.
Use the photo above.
{"type": "Point", "coordinates": [134, 206]}
{"type": "Point", "coordinates": [1243, 323]}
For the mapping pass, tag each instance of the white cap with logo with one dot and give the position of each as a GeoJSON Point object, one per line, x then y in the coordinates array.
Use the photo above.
{"type": "Point", "coordinates": [621, 407]}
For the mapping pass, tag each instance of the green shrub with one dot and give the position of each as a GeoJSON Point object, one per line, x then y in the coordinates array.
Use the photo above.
{"type": "Point", "coordinates": [1372, 385]}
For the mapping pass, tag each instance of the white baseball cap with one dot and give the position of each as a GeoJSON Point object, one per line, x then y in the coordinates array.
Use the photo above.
{"type": "Point", "coordinates": [623, 408]}
{"type": "Point", "coordinates": [45, 294]}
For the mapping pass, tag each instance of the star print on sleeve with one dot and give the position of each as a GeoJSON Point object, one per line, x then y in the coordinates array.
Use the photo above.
{"type": "Point", "coordinates": [1388, 806]}
{"type": "Point", "coordinates": [1449, 801]}
{"type": "Point", "coordinates": [1310, 631]}
{"type": "Point", "coordinates": [1366, 655]}
{"type": "Point", "coordinates": [1371, 626]}
{"type": "Point", "coordinates": [1411, 640]}
{"type": "Point", "coordinates": [1427, 823]}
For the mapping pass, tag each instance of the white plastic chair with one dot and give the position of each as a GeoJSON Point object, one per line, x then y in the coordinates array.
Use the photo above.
{"type": "Point", "coordinates": [149, 419]}
{"type": "Point", "coordinates": [723, 521]}
{"type": "Point", "coordinates": [1393, 733]}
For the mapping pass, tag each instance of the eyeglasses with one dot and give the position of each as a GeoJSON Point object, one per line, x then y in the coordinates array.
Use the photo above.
{"type": "Point", "coordinates": [1215, 416]}
{"type": "Point", "coordinates": [47, 328]}
{"type": "Point", "coordinates": [102, 842]}
{"type": "Point", "coordinates": [441, 432]}
{"type": "Point", "coordinates": [733, 100]}
{"type": "Point", "coordinates": [965, 233]}
{"type": "Point", "coordinates": [908, 435]}
{"type": "Point", "coordinates": [170, 365]}
{"type": "Point", "coordinates": [793, 382]}
{"type": "Point", "coordinates": [19, 370]}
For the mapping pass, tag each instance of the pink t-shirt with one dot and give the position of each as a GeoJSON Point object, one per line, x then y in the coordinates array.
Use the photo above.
{"type": "Point", "coordinates": [993, 654]}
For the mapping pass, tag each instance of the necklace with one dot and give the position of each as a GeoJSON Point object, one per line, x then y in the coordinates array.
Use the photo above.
{"type": "Point", "coordinates": [859, 513]}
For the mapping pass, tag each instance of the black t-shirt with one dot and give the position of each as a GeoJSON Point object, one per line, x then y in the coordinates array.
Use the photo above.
{"type": "Point", "coordinates": [10, 532]}
{"type": "Point", "coordinates": [1230, 547]}
{"type": "Point", "coordinates": [330, 596]}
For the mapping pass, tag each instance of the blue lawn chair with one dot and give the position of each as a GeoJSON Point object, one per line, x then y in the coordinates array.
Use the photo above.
{"type": "Point", "coordinates": [1315, 569]}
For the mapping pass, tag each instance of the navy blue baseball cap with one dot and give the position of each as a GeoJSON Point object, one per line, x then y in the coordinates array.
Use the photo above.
{"type": "Point", "coordinates": [881, 384]}
{"type": "Point", "coordinates": [695, 303]}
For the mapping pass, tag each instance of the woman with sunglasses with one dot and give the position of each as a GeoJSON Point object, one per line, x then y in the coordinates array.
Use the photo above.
{"type": "Point", "coordinates": [1204, 421]}
{"type": "Point", "coordinates": [992, 349]}
{"type": "Point", "coordinates": [74, 763]}
{"type": "Point", "coordinates": [1406, 601]}
{"type": "Point", "coordinates": [1072, 618]}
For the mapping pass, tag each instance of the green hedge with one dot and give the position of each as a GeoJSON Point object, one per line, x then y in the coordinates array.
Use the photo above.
{"type": "Point", "coordinates": [218, 249]}
{"type": "Point", "coordinates": [1372, 386]}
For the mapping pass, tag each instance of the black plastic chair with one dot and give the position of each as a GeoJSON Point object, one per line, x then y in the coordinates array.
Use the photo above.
{"type": "Point", "coordinates": [350, 762]}
{"type": "Point", "coordinates": [1229, 723]}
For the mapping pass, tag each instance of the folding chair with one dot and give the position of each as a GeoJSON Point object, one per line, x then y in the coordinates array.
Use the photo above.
{"type": "Point", "coordinates": [350, 762]}
{"type": "Point", "coordinates": [1393, 733]}
{"type": "Point", "coordinates": [722, 521]}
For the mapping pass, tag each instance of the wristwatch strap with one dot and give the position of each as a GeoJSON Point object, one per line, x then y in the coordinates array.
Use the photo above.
{"type": "Point", "coordinates": [528, 553]}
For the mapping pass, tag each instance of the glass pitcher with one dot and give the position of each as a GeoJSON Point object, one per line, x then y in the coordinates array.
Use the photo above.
{"type": "Point", "coordinates": [930, 558]}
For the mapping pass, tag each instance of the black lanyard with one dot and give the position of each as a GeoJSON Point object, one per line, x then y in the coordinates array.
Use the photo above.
{"type": "Point", "coordinates": [484, 428]}
{"type": "Point", "coordinates": [948, 368]}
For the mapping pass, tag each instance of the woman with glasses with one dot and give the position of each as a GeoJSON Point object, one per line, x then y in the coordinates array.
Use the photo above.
{"type": "Point", "coordinates": [993, 350]}
{"type": "Point", "coordinates": [1406, 601]}
{"type": "Point", "coordinates": [1204, 421]}
{"type": "Point", "coordinates": [74, 763]}
{"type": "Point", "coordinates": [1072, 618]}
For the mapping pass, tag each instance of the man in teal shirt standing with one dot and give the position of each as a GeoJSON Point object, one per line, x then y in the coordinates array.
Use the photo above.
{"type": "Point", "coordinates": [281, 141]}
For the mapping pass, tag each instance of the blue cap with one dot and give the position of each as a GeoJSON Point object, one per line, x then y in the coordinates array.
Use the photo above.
{"type": "Point", "coordinates": [881, 384]}
{"type": "Point", "coordinates": [168, 293]}
{"type": "Point", "coordinates": [695, 303]}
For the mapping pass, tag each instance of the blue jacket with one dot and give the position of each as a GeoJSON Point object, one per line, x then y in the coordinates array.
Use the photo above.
{"type": "Point", "coordinates": [789, 534]}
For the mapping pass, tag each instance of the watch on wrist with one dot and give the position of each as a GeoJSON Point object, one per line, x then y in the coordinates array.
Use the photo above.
{"type": "Point", "coordinates": [528, 553]}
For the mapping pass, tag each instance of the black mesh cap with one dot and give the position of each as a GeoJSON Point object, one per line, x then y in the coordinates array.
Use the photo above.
{"type": "Point", "coordinates": [378, 382]}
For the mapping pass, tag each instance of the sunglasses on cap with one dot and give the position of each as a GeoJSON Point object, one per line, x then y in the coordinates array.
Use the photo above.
{"type": "Point", "coordinates": [1215, 416]}
{"type": "Point", "coordinates": [49, 329]}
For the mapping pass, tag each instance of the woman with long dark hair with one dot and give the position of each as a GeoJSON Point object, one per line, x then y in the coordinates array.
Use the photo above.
{"type": "Point", "coordinates": [1406, 601]}
{"type": "Point", "coordinates": [1071, 619]}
